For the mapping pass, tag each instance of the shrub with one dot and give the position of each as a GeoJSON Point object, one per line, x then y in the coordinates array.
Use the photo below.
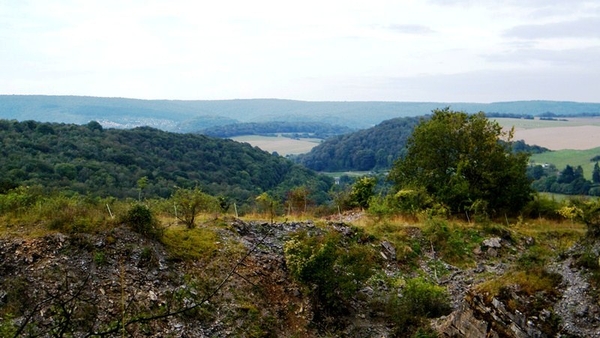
{"type": "Point", "coordinates": [190, 202]}
{"type": "Point", "coordinates": [142, 221]}
{"type": "Point", "coordinates": [419, 300]}
{"type": "Point", "coordinates": [331, 267]}
{"type": "Point", "coordinates": [452, 242]}
{"type": "Point", "coordinates": [541, 207]}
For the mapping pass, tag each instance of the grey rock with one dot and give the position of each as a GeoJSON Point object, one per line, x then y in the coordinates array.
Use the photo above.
{"type": "Point", "coordinates": [494, 242]}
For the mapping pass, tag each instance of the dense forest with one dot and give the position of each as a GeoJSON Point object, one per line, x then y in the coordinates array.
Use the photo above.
{"type": "Point", "coordinates": [89, 159]}
{"type": "Point", "coordinates": [296, 129]}
{"type": "Point", "coordinates": [373, 148]}
{"type": "Point", "coordinates": [368, 149]}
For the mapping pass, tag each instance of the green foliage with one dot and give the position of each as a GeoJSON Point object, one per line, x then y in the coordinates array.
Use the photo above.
{"type": "Point", "coordinates": [7, 327]}
{"type": "Point", "coordinates": [452, 242]}
{"type": "Point", "coordinates": [368, 149]}
{"type": "Point", "coordinates": [541, 206]}
{"type": "Point", "coordinates": [296, 129]}
{"type": "Point", "coordinates": [588, 212]}
{"type": "Point", "coordinates": [571, 157]}
{"type": "Point", "coordinates": [418, 301]}
{"type": "Point", "coordinates": [191, 202]}
{"type": "Point", "coordinates": [412, 201]}
{"type": "Point", "coordinates": [459, 160]}
{"type": "Point", "coordinates": [142, 221]}
{"type": "Point", "coordinates": [267, 204]}
{"type": "Point", "coordinates": [19, 200]}
{"type": "Point", "coordinates": [141, 161]}
{"type": "Point", "coordinates": [362, 191]}
{"type": "Point", "coordinates": [191, 244]}
{"type": "Point", "coordinates": [332, 268]}
{"type": "Point", "coordinates": [596, 174]}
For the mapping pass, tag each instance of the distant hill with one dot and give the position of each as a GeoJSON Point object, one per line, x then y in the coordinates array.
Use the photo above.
{"type": "Point", "coordinates": [109, 162]}
{"type": "Point", "coordinates": [373, 148]}
{"type": "Point", "coordinates": [189, 116]}
{"type": "Point", "coordinates": [299, 129]}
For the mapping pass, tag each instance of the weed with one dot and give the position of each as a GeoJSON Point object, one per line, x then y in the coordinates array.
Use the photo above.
{"type": "Point", "coordinates": [100, 258]}
{"type": "Point", "coordinates": [453, 242]}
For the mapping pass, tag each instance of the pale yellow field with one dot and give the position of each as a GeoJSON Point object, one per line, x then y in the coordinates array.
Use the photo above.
{"type": "Point", "coordinates": [282, 145]}
{"type": "Point", "coordinates": [576, 133]}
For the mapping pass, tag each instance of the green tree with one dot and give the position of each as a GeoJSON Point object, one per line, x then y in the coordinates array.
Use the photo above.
{"type": "Point", "coordinates": [297, 199]}
{"type": "Point", "coordinates": [362, 190]}
{"type": "Point", "coordinates": [596, 173]}
{"type": "Point", "coordinates": [332, 268]}
{"type": "Point", "coordinates": [189, 203]}
{"type": "Point", "coordinates": [142, 183]}
{"type": "Point", "coordinates": [460, 160]}
{"type": "Point", "coordinates": [267, 204]}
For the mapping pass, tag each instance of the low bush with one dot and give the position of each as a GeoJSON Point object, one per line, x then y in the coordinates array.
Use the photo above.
{"type": "Point", "coordinates": [418, 301]}
{"type": "Point", "coordinates": [331, 267]}
{"type": "Point", "coordinates": [453, 242]}
{"type": "Point", "coordinates": [141, 220]}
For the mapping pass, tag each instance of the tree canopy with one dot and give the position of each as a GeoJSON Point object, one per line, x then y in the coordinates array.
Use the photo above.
{"type": "Point", "coordinates": [143, 161]}
{"type": "Point", "coordinates": [465, 162]}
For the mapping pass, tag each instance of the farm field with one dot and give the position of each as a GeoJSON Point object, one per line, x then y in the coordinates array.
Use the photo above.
{"type": "Point", "coordinates": [574, 133]}
{"type": "Point", "coordinates": [574, 158]}
{"type": "Point", "coordinates": [282, 145]}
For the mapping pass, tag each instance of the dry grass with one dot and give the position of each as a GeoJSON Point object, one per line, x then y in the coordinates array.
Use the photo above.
{"type": "Point", "coordinates": [574, 133]}
{"type": "Point", "coordinates": [282, 145]}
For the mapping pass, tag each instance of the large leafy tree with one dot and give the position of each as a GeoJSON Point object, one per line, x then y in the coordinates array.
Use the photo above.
{"type": "Point", "coordinates": [465, 162]}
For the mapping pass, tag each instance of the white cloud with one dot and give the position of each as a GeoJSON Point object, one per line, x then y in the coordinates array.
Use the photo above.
{"type": "Point", "coordinates": [341, 50]}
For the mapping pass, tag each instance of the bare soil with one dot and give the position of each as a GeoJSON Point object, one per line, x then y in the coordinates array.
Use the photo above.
{"type": "Point", "coordinates": [559, 138]}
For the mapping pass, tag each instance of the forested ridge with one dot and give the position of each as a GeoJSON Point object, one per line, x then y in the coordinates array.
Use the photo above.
{"type": "Point", "coordinates": [367, 149]}
{"type": "Point", "coordinates": [374, 148]}
{"type": "Point", "coordinates": [192, 115]}
{"type": "Point", "coordinates": [110, 162]}
{"type": "Point", "coordinates": [300, 129]}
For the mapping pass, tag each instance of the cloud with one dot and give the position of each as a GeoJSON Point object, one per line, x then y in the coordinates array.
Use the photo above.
{"type": "Point", "coordinates": [582, 28]}
{"type": "Point", "coordinates": [580, 58]}
{"type": "Point", "coordinates": [411, 29]}
{"type": "Point", "coordinates": [494, 86]}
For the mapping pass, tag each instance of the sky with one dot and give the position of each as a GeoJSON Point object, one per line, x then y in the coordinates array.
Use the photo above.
{"type": "Point", "coordinates": [314, 50]}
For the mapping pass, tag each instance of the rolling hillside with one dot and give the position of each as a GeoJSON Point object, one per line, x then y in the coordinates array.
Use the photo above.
{"type": "Point", "coordinates": [92, 160]}
{"type": "Point", "coordinates": [188, 116]}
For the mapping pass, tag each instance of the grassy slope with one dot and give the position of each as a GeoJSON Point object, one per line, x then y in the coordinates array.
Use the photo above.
{"type": "Point", "coordinates": [574, 158]}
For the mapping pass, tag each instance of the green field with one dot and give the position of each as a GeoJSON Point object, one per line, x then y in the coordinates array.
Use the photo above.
{"type": "Point", "coordinates": [574, 158]}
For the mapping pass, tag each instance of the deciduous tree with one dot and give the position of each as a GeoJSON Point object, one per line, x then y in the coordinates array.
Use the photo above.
{"type": "Point", "coordinates": [460, 160]}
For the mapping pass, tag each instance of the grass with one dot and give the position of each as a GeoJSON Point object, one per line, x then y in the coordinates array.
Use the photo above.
{"type": "Point", "coordinates": [574, 158]}
{"type": "Point", "coordinates": [525, 282]}
{"type": "Point", "coordinates": [191, 244]}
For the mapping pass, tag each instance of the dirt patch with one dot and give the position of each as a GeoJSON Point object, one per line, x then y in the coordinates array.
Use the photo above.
{"type": "Point", "coordinates": [559, 138]}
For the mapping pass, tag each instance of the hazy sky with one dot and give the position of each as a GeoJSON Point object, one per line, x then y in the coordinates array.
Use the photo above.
{"type": "Point", "coordinates": [436, 50]}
